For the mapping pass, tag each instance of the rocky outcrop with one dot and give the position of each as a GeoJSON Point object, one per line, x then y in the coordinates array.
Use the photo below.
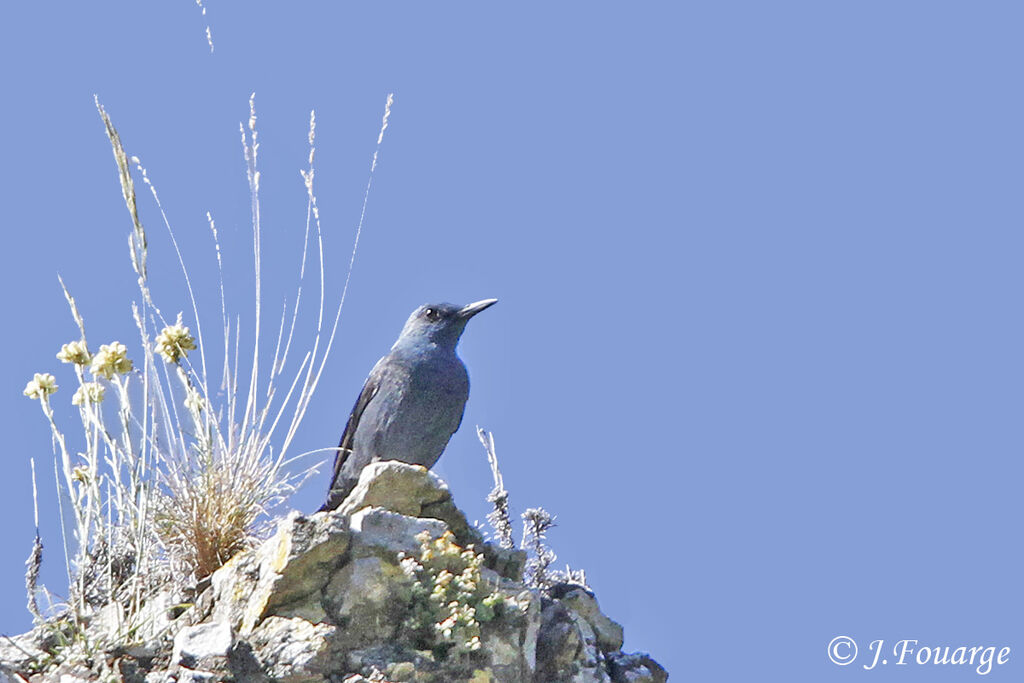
{"type": "Point", "coordinates": [394, 585]}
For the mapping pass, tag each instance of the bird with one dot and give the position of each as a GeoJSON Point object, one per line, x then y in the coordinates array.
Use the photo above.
{"type": "Point", "coordinates": [413, 399]}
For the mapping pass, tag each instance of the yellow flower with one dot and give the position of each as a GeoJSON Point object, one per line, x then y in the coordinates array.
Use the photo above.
{"type": "Point", "coordinates": [74, 352]}
{"type": "Point", "coordinates": [174, 342]}
{"type": "Point", "coordinates": [111, 359]}
{"type": "Point", "coordinates": [41, 386]}
{"type": "Point", "coordinates": [90, 392]}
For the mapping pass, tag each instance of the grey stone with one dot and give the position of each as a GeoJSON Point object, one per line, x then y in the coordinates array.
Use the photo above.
{"type": "Point", "coordinates": [294, 650]}
{"type": "Point", "coordinates": [367, 599]}
{"type": "Point", "coordinates": [233, 589]}
{"type": "Point", "coordinates": [123, 669]}
{"type": "Point", "coordinates": [21, 652]}
{"type": "Point", "coordinates": [509, 640]}
{"type": "Point", "coordinates": [393, 661]}
{"type": "Point", "coordinates": [402, 672]}
{"type": "Point", "coordinates": [310, 609]}
{"type": "Point", "coordinates": [558, 643]}
{"type": "Point", "coordinates": [507, 562]}
{"type": "Point", "coordinates": [392, 532]}
{"type": "Point", "coordinates": [308, 550]}
{"type": "Point", "coordinates": [285, 574]}
{"type": "Point", "coordinates": [635, 668]}
{"type": "Point", "coordinates": [567, 648]}
{"type": "Point", "coordinates": [583, 603]}
{"type": "Point", "coordinates": [143, 650]}
{"type": "Point", "coordinates": [206, 646]}
{"type": "Point", "coordinates": [155, 618]}
{"type": "Point", "coordinates": [191, 676]}
{"type": "Point", "coordinates": [71, 678]}
{"type": "Point", "coordinates": [447, 512]}
{"type": "Point", "coordinates": [532, 616]}
{"type": "Point", "coordinates": [396, 486]}
{"type": "Point", "coordinates": [590, 666]}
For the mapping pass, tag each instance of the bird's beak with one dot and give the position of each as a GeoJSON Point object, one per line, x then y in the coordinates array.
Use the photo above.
{"type": "Point", "coordinates": [472, 309]}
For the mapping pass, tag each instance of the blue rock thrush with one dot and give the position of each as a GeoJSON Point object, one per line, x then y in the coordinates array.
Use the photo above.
{"type": "Point", "coordinates": [412, 401]}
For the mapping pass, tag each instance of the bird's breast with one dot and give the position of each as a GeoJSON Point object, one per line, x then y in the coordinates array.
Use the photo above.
{"type": "Point", "coordinates": [417, 421]}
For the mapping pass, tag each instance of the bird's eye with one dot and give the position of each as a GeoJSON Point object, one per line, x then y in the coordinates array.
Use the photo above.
{"type": "Point", "coordinates": [431, 314]}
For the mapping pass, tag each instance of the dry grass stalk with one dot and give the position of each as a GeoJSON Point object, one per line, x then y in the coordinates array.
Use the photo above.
{"type": "Point", "coordinates": [171, 483]}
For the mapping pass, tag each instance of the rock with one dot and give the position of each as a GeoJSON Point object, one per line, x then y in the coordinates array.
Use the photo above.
{"type": "Point", "coordinates": [307, 551]}
{"type": "Point", "coordinates": [233, 588]}
{"type": "Point", "coordinates": [509, 642]}
{"type": "Point", "coordinates": [325, 600]}
{"type": "Point", "coordinates": [591, 666]}
{"type": "Point", "coordinates": [311, 610]}
{"type": "Point", "coordinates": [285, 574]}
{"type": "Point", "coordinates": [446, 511]}
{"type": "Point", "coordinates": [24, 652]}
{"type": "Point", "coordinates": [391, 532]}
{"type": "Point", "coordinates": [367, 599]}
{"type": "Point", "coordinates": [635, 668]}
{"type": "Point", "coordinates": [402, 672]}
{"type": "Point", "coordinates": [396, 486]}
{"type": "Point", "coordinates": [583, 603]}
{"type": "Point", "coordinates": [206, 646]}
{"type": "Point", "coordinates": [558, 643]}
{"type": "Point", "coordinates": [156, 616]}
{"type": "Point", "coordinates": [190, 676]}
{"type": "Point", "coordinates": [71, 678]}
{"type": "Point", "coordinates": [409, 490]}
{"type": "Point", "coordinates": [567, 648]}
{"type": "Point", "coordinates": [143, 638]}
{"type": "Point", "coordinates": [531, 632]}
{"type": "Point", "coordinates": [294, 650]}
{"type": "Point", "coordinates": [506, 562]}
{"type": "Point", "coordinates": [126, 670]}
{"type": "Point", "coordinates": [395, 662]}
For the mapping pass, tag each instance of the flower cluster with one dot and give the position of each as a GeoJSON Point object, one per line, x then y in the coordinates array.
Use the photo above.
{"type": "Point", "coordinates": [74, 352]}
{"type": "Point", "coordinates": [174, 342]}
{"type": "Point", "coordinates": [90, 392]}
{"type": "Point", "coordinates": [41, 386]}
{"type": "Point", "coordinates": [112, 359]}
{"type": "Point", "coordinates": [449, 598]}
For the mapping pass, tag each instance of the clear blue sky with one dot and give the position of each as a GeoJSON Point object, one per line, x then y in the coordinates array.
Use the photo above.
{"type": "Point", "coordinates": [759, 344]}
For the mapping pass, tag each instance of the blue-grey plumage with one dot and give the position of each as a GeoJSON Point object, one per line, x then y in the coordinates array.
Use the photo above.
{"type": "Point", "coordinates": [412, 401]}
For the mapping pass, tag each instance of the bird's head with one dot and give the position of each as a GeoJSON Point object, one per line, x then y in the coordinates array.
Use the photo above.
{"type": "Point", "coordinates": [441, 324]}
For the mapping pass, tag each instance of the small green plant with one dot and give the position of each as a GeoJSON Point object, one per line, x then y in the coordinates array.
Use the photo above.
{"type": "Point", "coordinates": [449, 598]}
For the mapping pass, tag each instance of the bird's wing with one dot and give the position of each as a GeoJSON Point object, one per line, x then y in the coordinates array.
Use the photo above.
{"type": "Point", "coordinates": [370, 389]}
